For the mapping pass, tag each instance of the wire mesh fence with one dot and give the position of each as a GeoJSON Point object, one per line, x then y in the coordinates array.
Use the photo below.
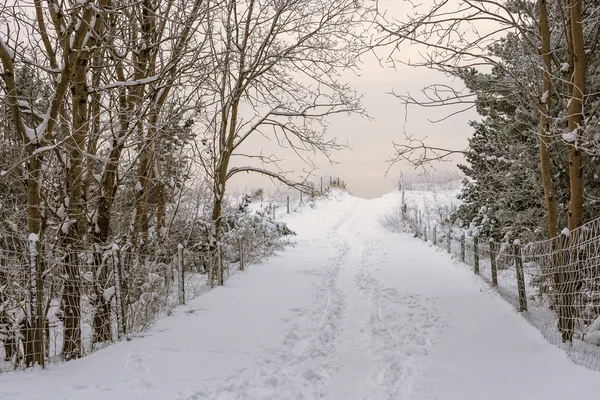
{"type": "Point", "coordinates": [58, 304]}
{"type": "Point", "coordinates": [554, 283]}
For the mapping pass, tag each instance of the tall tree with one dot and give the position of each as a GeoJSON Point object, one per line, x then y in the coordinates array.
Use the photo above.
{"type": "Point", "coordinates": [281, 60]}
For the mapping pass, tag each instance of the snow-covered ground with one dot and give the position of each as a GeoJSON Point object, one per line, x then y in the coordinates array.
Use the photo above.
{"type": "Point", "coordinates": [350, 312]}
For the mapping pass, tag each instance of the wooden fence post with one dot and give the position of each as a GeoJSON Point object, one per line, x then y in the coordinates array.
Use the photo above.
{"type": "Point", "coordinates": [520, 277]}
{"type": "Point", "coordinates": [181, 280]}
{"type": "Point", "coordinates": [425, 233]}
{"type": "Point", "coordinates": [462, 248]}
{"type": "Point", "coordinates": [434, 236]}
{"type": "Point", "coordinates": [476, 255]}
{"type": "Point", "coordinates": [494, 264]}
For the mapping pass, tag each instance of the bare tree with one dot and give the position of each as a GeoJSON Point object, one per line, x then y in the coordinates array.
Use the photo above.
{"type": "Point", "coordinates": [277, 67]}
{"type": "Point", "coordinates": [458, 39]}
{"type": "Point", "coordinates": [73, 31]}
{"type": "Point", "coordinates": [560, 37]}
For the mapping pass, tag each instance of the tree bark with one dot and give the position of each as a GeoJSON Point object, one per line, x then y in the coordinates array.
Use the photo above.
{"type": "Point", "coordinates": [73, 237]}
{"type": "Point", "coordinates": [545, 120]}
{"type": "Point", "coordinates": [575, 115]}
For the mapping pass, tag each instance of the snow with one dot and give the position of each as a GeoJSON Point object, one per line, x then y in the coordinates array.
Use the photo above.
{"type": "Point", "coordinates": [31, 134]}
{"type": "Point", "coordinates": [593, 338]}
{"type": "Point", "coordinates": [66, 225]}
{"type": "Point", "coordinates": [33, 239]}
{"type": "Point", "coordinates": [109, 293]}
{"type": "Point", "coordinates": [570, 137]}
{"type": "Point", "coordinates": [351, 311]}
{"type": "Point", "coordinates": [61, 212]}
{"type": "Point", "coordinates": [130, 83]}
{"type": "Point", "coordinates": [564, 67]}
{"type": "Point", "coordinates": [43, 149]}
{"type": "Point", "coordinates": [544, 97]}
{"type": "Point", "coordinates": [565, 232]}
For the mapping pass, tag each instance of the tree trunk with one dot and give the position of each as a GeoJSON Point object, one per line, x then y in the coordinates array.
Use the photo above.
{"type": "Point", "coordinates": [549, 196]}
{"type": "Point", "coordinates": [219, 192]}
{"type": "Point", "coordinates": [144, 66]}
{"type": "Point", "coordinates": [575, 112]}
{"type": "Point", "coordinates": [161, 209]}
{"type": "Point", "coordinates": [569, 266]}
{"type": "Point", "coordinates": [34, 352]}
{"type": "Point", "coordinates": [545, 140]}
{"type": "Point", "coordinates": [141, 224]}
{"type": "Point", "coordinates": [73, 237]}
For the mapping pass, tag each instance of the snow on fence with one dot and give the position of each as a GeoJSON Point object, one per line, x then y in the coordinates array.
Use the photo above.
{"type": "Point", "coordinates": [554, 283]}
{"type": "Point", "coordinates": [59, 304]}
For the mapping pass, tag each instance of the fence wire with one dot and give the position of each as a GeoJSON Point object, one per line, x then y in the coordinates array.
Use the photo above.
{"type": "Point", "coordinates": [61, 304]}
{"type": "Point", "coordinates": [554, 283]}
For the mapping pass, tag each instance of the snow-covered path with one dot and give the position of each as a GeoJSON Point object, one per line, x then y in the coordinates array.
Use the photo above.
{"type": "Point", "coordinates": [351, 312]}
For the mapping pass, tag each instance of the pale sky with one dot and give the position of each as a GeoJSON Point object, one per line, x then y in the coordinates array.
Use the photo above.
{"type": "Point", "coordinates": [363, 166]}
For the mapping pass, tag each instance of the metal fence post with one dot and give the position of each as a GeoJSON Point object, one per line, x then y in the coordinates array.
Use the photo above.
{"type": "Point", "coordinates": [241, 254]}
{"type": "Point", "coordinates": [476, 255]}
{"type": "Point", "coordinates": [434, 236]}
{"type": "Point", "coordinates": [462, 248]}
{"type": "Point", "coordinates": [493, 263]}
{"type": "Point", "coordinates": [520, 277]}
{"type": "Point", "coordinates": [181, 280]}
